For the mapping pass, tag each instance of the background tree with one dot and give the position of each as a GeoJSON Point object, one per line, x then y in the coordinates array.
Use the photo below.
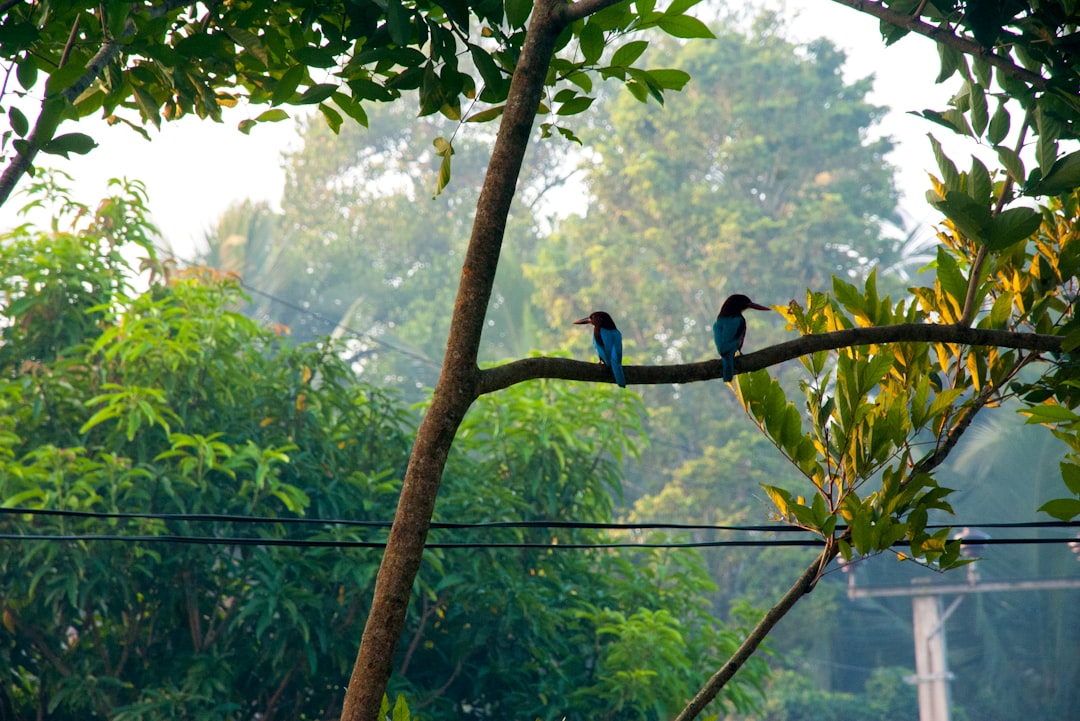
{"type": "Point", "coordinates": [165, 407]}
{"type": "Point", "coordinates": [363, 251]}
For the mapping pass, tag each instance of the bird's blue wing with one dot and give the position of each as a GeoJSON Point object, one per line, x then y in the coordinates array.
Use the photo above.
{"type": "Point", "coordinates": [611, 353]}
{"type": "Point", "coordinates": [728, 334]}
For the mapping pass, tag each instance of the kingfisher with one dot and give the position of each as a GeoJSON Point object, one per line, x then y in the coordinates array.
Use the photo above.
{"type": "Point", "coordinates": [608, 342]}
{"type": "Point", "coordinates": [729, 330]}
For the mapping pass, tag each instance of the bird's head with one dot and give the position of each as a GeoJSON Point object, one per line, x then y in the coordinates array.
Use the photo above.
{"type": "Point", "coordinates": [736, 304]}
{"type": "Point", "coordinates": [599, 318]}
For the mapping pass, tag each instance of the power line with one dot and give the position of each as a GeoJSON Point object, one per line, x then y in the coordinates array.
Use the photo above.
{"type": "Point", "coordinates": [327, 543]}
{"type": "Point", "coordinates": [541, 524]}
{"type": "Point", "coordinates": [356, 334]}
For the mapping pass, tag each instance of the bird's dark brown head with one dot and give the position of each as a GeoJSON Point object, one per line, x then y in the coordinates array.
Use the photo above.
{"type": "Point", "coordinates": [736, 304]}
{"type": "Point", "coordinates": [600, 319]}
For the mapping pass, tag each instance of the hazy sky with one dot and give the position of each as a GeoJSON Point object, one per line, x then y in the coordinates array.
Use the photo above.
{"type": "Point", "coordinates": [194, 169]}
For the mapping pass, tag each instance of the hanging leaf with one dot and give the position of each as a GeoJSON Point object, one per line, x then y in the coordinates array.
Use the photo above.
{"type": "Point", "coordinates": [1063, 177]}
{"type": "Point", "coordinates": [78, 143]}
{"type": "Point", "coordinates": [1012, 226]}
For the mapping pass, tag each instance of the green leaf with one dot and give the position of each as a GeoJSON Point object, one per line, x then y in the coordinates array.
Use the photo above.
{"type": "Point", "coordinates": [947, 120]}
{"type": "Point", "coordinates": [1012, 162]}
{"type": "Point", "coordinates": [487, 67]}
{"type": "Point", "coordinates": [517, 12]}
{"type": "Point", "coordinates": [1012, 226]}
{"type": "Point", "coordinates": [314, 57]}
{"type": "Point", "coordinates": [1064, 509]}
{"type": "Point", "coordinates": [980, 113]}
{"type": "Point", "coordinates": [78, 143]}
{"type": "Point", "coordinates": [486, 115]}
{"type": "Point", "coordinates": [591, 43]}
{"type": "Point", "coordinates": [1062, 177]}
{"type": "Point", "coordinates": [950, 176]}
{"type": "Point", "coordinates": [316, 94]}
{"type": "Point", "coordinates": [999, 124]}
{"type": "Point", "coordinates": [444, 149]}
{"type": "Point", "coordinates": [401, 709]}
{"type": "Point", "coordinates": [398, 22]}
{"type": "Point", "coordinates": [148, 105]}
{"type": "Point", "coordinates": [274, 115]}
{"type": "Point", "coordinates": [627, 54]}
{"type": "Point", "coordinates": [575, 105]}
{"type": "Point", "coordinates": [669, 78]}
{"type": "Point", "coordinates": [351, 107]}
{"type": "Point", "coordinates": [1049, 414]}
{"type": "Point", "coordinates": [249, 41]}
{"type": "Point", "coordinates": [1046, 153]}
{"type": "Point", "coordinates": [27, 72]}
{"type": "Point", "coordinates": [1070, 474]}
{"type": "Point", "coordinates": [980, 188]}
{"type": "Point", "coordinates": [287, 84]}
{"type": "Point", "coordinates": [684, 26]}
{"type": "Point", "coordinates": [950, 61]}
{"type": "Point", "coordinates": [1001, 311]}
{"type": "Point", "coordinates": [62, 79]}
{"type": "Point", "coordinates": [18, 121]}
{"type": "Point", "coordinates": [333, 117]}
{"type": "Point", "coordinates": [970, 217]}
{"type": "Point", "coordinates": [951, 279]}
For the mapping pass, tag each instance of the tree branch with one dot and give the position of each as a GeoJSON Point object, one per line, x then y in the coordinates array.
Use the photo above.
{"type": "Point", "coordinates": [942, 36]}
{"type": "Point", "coordinates": [803, 586]}
{"type": "Point", "coordinates": [24, 159]}
{"type": "Point", "coordinates": [503, 376]}
{"type": "Point", "coordinates": [975, 280]}
{"type": "Point", "coordinates": [584, 8]}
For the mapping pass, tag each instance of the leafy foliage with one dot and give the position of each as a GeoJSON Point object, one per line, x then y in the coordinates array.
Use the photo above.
{"type": "Point", "coordinates": [168, 405]}
{"type": "Point", "coordinates": [147, 62]}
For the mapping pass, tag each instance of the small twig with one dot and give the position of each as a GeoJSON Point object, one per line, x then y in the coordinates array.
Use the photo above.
{"type": "Point", "coordinates": [968, 314]}
{"type": "Point", "coordinates": [70, 43]}
{"type": "Point", "coordinates": [801, 587]}
{"type": "Point", "coordinates": [943, 37]}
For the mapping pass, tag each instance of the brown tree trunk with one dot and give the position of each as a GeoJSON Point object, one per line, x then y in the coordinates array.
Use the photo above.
{"type": "Point", "coordinates": [458, 383]}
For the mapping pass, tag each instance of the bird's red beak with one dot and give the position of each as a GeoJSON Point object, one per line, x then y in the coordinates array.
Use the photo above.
{"type": "Point", "coordinates": [583, 321]}
{"type": "Point", "coordinates": [758, 306]}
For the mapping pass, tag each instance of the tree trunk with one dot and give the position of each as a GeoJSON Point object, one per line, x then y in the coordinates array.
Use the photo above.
{"type": "Point", "coordinates": [458, 383]}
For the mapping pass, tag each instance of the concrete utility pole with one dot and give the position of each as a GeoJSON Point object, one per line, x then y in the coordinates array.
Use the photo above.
{"type": "Point", "coordinates": [931, 663]}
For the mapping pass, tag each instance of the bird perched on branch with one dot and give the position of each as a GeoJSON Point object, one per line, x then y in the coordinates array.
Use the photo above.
{"type": "Point", "coordinates": [729, 330]}
{"type": "Point", "coordinates": [608, 342]}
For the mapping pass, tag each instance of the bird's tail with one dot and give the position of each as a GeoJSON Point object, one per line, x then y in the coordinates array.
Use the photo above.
{"type": "Point", "coordinates": [620, 374]}
{"type": "Point", "coordinates": [727, 366]}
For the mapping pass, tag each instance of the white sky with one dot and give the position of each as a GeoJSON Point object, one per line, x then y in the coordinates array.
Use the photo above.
{"type": "Point", "coordinates": [195, 169]}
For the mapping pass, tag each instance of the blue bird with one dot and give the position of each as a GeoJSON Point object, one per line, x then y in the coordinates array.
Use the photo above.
{"type": "Point", "coordinates": [608, 342]}
{"type": "Point", "coordinates": [729, 330]}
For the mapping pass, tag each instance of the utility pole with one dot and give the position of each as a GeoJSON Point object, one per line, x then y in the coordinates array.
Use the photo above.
{"type": "Point", "coordinates": [932, 675]}
{"type": "Point", "coordinates": [931, 660]}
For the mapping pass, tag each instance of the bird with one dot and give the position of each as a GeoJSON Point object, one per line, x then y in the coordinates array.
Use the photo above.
{"type": "Point", "coordinates": [608, 342]}
{"type": "Point", "coordinates": [729, 330]}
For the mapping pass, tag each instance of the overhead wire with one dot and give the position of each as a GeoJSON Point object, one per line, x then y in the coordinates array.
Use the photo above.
{"type": "Point", "coordinates": [315, 315]}
{"type": "Point", "coordinates": [486, 525]}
